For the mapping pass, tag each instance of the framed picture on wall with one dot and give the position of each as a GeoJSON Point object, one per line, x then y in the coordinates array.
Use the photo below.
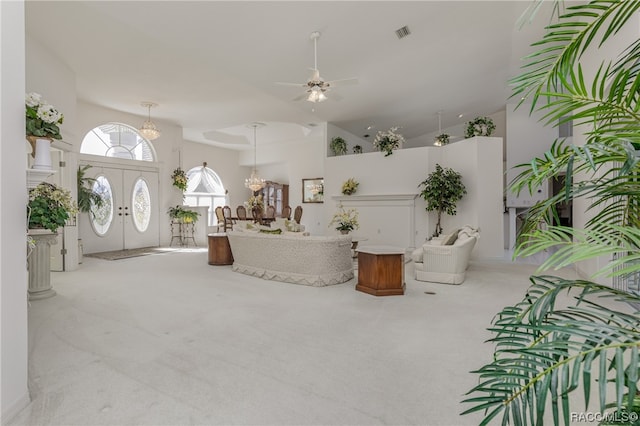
{"type": "Point", "coordinates": [313, 190]}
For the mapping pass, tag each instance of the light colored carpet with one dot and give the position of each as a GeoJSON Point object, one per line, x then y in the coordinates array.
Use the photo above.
{"type": "Point", "coordinates": [168, 340]}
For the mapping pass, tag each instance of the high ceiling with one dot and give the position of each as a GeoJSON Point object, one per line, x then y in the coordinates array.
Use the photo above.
{"type": "Point", "coordinates": [212, 66]}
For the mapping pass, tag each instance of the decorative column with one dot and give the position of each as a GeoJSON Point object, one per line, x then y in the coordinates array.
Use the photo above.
{"type": "Point", "coordinates": [40, 264]}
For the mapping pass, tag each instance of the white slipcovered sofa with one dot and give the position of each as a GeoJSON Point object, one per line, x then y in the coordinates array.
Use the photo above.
{"type": "Point", "coordinates": [292, 257]}
{"type": "Point", "coordinates": [447, 264]}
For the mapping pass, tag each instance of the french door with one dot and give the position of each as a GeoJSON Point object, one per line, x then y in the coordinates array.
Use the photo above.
{"type": "Point", "coordinates": [128, 217]}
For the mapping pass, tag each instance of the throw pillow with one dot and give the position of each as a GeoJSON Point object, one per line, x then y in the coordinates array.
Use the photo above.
{"type": "Point", "coordinates": [450, 239]}
{"type": "Point", "coordinates": [271, 231]}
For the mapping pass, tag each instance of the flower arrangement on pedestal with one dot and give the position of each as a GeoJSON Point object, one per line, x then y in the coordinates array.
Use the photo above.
{"type": "Point", "coordinates": [49, 207]}
{"type": "Point", "coordinates": [479, 126]}
{"type": "Point", "coordinates": [179, 178]}
{"type": "Point", "coordinates": [388, 141]}
{"type": "Point", "coordinates": [346, 220]}
{"type": "Point", "coordinates": [43, 119]}
{"type": "Point", "coordinates": [180, 214]}
{"type": "Point", "coordinates": [350, 186]}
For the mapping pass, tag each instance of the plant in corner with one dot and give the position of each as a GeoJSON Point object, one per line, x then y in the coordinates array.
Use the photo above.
{"type": "Point", "coordinates": [49, 207]}
{"type": "Point", "coordinates": [346, 220]}
{"type": "Point", "coordinates": [479, 126]}
{"type": "Point", "coordinates": [350, 186]}
{"type": "Point", "coordinates": [388, 141]}
{"type": "Point", "coordinates": [87, 199]}
{"type": "Point", "coordinates": [338, 146]}
{"type": "Point", "coordinates": [545, 350]}
{"type": "Point", "coordinates": [443, 188]}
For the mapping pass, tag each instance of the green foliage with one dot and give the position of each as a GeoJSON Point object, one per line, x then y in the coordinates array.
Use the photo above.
{"type": "Point", "coordinates": [338, 146]}
{"type": "Point", "coordinates": [443, 188]}
{"type": "Point", "coordinates": [545, 350]}
{"type": "Point", "coordinates": [49, 207]}
{"type": "Point", "coordinates": [183, 215]}
{"type": "Point", "coordinates": [86, 197]}
{"type": "Point", "coordinates": [479, 126]}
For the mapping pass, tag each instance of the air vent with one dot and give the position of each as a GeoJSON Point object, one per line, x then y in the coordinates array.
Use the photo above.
{"type": "Point", "coordinates": [403, 32]}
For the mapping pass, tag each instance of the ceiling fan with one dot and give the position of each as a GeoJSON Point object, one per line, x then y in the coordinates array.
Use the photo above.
{"type": "Point", "coordinates": [316, 87]}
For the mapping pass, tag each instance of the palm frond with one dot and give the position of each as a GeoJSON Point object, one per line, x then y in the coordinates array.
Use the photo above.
{"type": "Point", "coordinates": [546, 350]}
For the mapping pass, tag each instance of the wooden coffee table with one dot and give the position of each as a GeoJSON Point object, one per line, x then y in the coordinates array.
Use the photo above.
{"type": "Point", "coordinates": [381, 270]}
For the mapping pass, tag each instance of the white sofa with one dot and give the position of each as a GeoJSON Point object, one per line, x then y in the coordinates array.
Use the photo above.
{"type": "Point", "coordinates": [445, 264]}
{"type": "Point", "coordinates": [292, 257]}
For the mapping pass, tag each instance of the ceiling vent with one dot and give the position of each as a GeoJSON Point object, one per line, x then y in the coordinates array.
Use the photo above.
{"type": "Point", "coordinates": [403, 32]}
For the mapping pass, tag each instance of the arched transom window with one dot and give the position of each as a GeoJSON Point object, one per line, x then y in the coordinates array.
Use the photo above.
{"type": "Point", "coordinates": [119, 141]}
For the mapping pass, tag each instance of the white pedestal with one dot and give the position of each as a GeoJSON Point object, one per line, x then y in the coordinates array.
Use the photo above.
{"type": "Point", "coordinates": [42, 157]}
{"type": "Point", "coordinates": [40, 264]}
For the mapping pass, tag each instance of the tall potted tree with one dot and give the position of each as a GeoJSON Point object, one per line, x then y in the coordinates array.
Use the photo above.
{"type": "Point", "coordinates": [443, 188]}
{"type": "Point", "coordinates": [543, 350]}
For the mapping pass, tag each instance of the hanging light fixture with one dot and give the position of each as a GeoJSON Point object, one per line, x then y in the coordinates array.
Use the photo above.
{"type": "Point", "coordinates": [438, 142]}
{"type": "Point", "coordinates": [148, 129]}
{"type": "Point", "coordinates": [254, 182]}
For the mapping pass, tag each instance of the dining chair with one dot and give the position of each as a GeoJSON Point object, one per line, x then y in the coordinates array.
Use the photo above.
{"type": "Point", "coordinates": [271, 212]}
{"type": "Point", "coordinates": [286, 212]}
{"type": "Point", "coordinates": [297, 214]}
{"type": "Point", "coordinates": [228, 220]}
{"type": "Point", "coordinates": [220, 218]}
{"type": "Point", "coordinates": [241, 212]}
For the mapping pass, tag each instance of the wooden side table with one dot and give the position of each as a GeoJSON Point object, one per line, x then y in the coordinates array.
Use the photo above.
{"type": "Point", "coordinates": [219, 249]}
{"type": "Point", "coordinates": [381, 270]}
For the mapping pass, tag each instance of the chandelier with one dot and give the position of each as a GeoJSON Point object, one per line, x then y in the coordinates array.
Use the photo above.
{"type": "Point", "coordinates": [254, 182]}
{"type": "Point", "coordinates": [148, 129]}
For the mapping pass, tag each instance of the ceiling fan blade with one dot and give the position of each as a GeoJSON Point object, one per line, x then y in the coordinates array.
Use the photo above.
{"type": "Point", "coordinates": [343, 82]}
{"type": "Point", "coordinates": [292, 84]}
{"type": "Point", "coordinates": [301, 97]}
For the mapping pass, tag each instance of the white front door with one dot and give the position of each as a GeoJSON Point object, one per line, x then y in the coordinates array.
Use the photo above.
{"type": "Point", "coordinates": [129, 217]}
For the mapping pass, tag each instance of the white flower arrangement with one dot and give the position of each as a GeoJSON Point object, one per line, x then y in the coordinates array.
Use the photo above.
{"type": "Point", "coordinates": [480, 126]}
{"type": "Point", "coordinates": [42, 119]}
{"type": "Point", "coordinates": [388, 141]}
{"type": "Point", "coordinates": [347, 220]}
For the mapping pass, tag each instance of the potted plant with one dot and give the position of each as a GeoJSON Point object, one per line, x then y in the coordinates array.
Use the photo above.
{"type": "Point", "coordinates": [443, 188]}
{"type": "Point", "coordinates": [182, 215]}
{"type": "Point", "coordinates": [388, 141]}
{"type": "Point", "coordinates": [179, 179]}
{"type": "Point", "coordinates": [350, 186]}
{"type": "Point", "coordinates": [42, 125]}
{"type": "Point", "coordinates": [86, 197]}
{"type": "Point", "coordinates": [546, 350]}
{"type": "Point", "coordinates": [346, 220]}
{"type": "Point", "coordinates": [338, 146]}
{"type": "Point", "coordinates": [441, 140]}
{"type": "Point", "coordinates": [479, 126]}
{"type": "Point", "coordinates": [357, 149]}
{"type": "Point", "coordinates": [49, 207]}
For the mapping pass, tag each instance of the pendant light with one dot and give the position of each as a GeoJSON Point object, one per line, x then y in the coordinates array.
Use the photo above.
{"type": "Point", "coordinates": [438, 141]}
{"type": "Point", "coordinates": [148, 129]}
{"type": "Point", "coordinates": [254, 182]}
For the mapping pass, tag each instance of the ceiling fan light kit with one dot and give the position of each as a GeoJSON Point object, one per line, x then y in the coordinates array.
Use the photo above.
{"type": "Point", "coordinates": [316, 87]}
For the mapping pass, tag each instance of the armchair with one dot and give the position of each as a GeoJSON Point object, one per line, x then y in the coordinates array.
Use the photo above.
{"type": "Point", "coordinates": [445, 264]}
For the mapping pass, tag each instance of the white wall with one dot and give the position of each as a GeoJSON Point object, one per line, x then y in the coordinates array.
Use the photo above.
{"type": "Point", "coordinates": [14, 394]}
{"type": "Point", "coordinates": [479, 160]}
{"type": "Point", "coordinates": [528, 138]}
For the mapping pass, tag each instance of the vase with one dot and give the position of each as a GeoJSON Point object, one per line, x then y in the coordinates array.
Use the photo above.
{"type": "Point", "coordinates": [41, 152]}
{"type": "Point", "coordinates": [344, 231]}
{"type": "Point", "coordinates": [39, 264]}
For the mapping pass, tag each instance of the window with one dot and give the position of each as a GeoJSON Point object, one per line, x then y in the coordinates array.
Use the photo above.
{"type": "Point", "coordinates": [141, 205]}
{"type": "Point", "coordinates": [101, 217]}
{"type": "Point", "coordinates": [118, 141]}
{"type": "Point", "coordinates": [204, 188]}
